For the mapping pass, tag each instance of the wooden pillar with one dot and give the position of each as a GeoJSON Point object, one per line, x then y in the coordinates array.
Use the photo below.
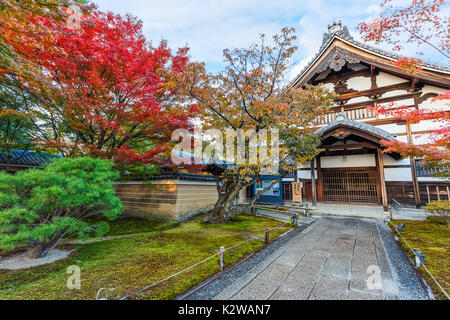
{"type": "Point", "coordinates": [313, 184]}
{"type": "Point", "coordinates": [319, 180]}
{"type": "Point", "coordinates": [413, 169]}
{"type": "Point", "coordinates": [382, 182]}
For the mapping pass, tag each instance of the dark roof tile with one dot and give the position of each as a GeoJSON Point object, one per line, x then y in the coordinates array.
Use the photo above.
{"type": "Point", "coordinates": [25, 158]}
{"type": "Point", "coordinates": [344, 121]}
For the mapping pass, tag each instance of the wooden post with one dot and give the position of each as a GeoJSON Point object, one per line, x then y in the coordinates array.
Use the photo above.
{"type": "Point", "coordinates": [428, 194]}
{"type": "Point", "coordinates": [267, 236]}
{"type": "Point", "coordinates": [313, 184]}
{"type": "Point", "coordinates": [319, 180]}
{"type": "Point", "coordinates": [438, 193]}
{"type": "Point", "coordinates": [380, 168]}
{"type": "Point", "coordinates": [413, 169]}
{"type": "Point", "coordinates": [221, 258]}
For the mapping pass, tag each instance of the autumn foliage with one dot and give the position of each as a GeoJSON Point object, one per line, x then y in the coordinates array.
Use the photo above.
{"type": "Point", "coordinates": [437, 150]}
{"type": "Point", "coordinates": [423, 23]}
{"type": "Point", "coordinates": [17, 25]}
{"type": "Point", "coordinates": [251, 94]}
{"type": "Point", "coordinates": [103, 89]}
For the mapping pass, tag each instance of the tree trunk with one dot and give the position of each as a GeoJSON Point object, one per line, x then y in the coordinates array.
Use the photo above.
{"type": "Point", "coordinates": [42, 248]}
{"type": "Point", "coordinates": [221, 212]}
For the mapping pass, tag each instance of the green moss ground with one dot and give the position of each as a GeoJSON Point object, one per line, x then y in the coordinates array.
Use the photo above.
{"type": "Point", "coordinates": [433, 239]}
{"type": "Point", "coordinates": [157, 250]}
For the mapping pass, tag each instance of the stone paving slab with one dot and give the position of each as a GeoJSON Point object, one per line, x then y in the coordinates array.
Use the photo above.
{"type": "Point", "coordinates": [329, 287]}
{"type": "Point", "coordinates": [265, 284]}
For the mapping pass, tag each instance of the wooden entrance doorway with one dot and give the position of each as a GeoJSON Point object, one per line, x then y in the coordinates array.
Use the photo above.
{"type": "Point", "coordinates": [350, 186]}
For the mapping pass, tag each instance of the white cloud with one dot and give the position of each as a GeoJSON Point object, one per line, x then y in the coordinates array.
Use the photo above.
{"type": "Point", "coordinates": [209, 26]}
{"type": "Point", "coordinates": [373, 10]}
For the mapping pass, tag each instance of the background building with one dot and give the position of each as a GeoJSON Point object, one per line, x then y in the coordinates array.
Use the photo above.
{"type": "Point", "coordinates": [352, 169]}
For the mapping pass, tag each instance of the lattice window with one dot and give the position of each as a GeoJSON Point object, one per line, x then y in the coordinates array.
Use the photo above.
{"type": "Point", "coordinates": [423, 170]}
{"type": "Point", "coordinates": [350, 186]}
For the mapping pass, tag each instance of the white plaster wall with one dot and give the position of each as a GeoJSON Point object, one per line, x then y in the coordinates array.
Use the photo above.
{"type": "Point", "coordinates": [304, 174]}
{"type": "Point", "coordinates": [359, 99]}
{"type": "Point", "coordinates": [438, 105]}
{"type": "Point", "coordinates": [399, 103]}
{"type": "Point", "coordinates": [425, 125]}
{"type": "Point", "coordinates": [359, 160]}
{"type": "Point", "coordinates": [393, 93]}
{"type": "Point", "coordinates": [422, 139]}
{"type": "Point", "coordinates": [403, 138]}
{"type": "Point", "coordinates": [397, 174]}
{"type": "Point", "coordinates": [391, 174]}
{"type": "Point", "coordinates": [359, 83]}
{"type": "Point", "coordinates": [386, 79]}
{"type": "Point", "coordinates": [388, 160]}
{"type": "Point", "coordinates": [393, 128]}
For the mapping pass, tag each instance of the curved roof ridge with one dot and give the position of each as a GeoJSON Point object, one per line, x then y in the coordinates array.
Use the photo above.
{"type": "Point", "coordinates": [341, 120]}
{"type": "Point", "coordinates": [344, 34]}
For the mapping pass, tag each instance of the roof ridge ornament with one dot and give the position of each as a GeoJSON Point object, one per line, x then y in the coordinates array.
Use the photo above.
{"type": "Point", "coordinates": [336, 28]}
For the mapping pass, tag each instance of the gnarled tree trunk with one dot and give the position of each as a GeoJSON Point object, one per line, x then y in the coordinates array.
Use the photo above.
{"type": "Point", "coordinates": [222, 212]}
{"type": "Point", "coordinates": [42, 248]}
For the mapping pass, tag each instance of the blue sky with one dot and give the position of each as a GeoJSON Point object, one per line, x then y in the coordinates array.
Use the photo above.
{"type": "Point", "coordinates": [208, 27]}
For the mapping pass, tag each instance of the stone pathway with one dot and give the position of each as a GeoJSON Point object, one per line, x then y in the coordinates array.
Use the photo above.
{"type": "Point", "coordinates": [367, 211]}
{"type": "Point", "coordinates": [331, 259]}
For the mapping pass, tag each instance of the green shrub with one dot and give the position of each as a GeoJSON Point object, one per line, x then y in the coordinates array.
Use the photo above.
{"type": "Point", "coordinates": [41, 207]}
{"type": "Point", "coordinates": [441, 209]}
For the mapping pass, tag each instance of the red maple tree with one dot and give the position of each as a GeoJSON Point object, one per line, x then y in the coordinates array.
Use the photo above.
{"type": "Point", "coordinates": [423, 23]}
{"type": "Point", "coordinates": [104, 90]}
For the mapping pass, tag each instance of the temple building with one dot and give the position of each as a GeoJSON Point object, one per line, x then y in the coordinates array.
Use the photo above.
{"type": "Point", "coordinates": [352, 168]}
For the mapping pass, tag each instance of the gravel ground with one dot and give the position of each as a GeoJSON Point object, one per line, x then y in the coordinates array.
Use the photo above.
{"type": "Point", "coordinates": [22, 260]}
{"type": "Point", "coordinates": [228, 277]}
{"type": "Point", "coordinates": [410, 284]}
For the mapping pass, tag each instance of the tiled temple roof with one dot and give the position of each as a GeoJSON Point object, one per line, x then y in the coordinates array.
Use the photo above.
{"type": "Point", "coordinates": [25, 158]}
{"type": "Point", "coordinates": [335, 30]}
{"type": "Point", "coordinates": [344, 121]}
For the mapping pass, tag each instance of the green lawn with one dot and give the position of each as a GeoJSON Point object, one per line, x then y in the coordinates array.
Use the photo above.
{"type": "Point", "coordinates": [433, 239]}
{"type": "Point", "coordinates": [156, 250]}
